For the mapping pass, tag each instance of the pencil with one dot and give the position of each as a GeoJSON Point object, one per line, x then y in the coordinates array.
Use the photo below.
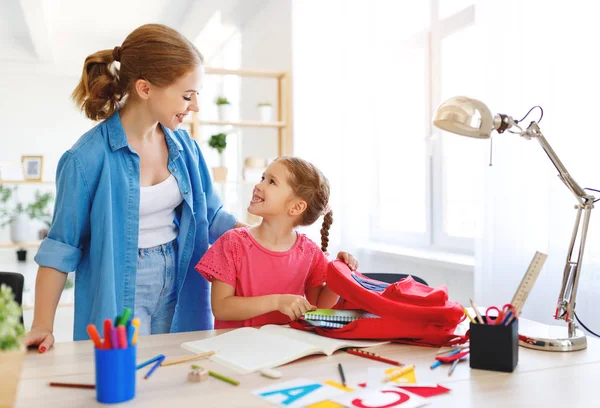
{"type": "Point", "coordinates": [72, 385]}
{"type": "Point", "coordinates": [154, 367]}
{"type": "Point", "coordinates": [223, 378]}
{"type": "Point", "coordinates": [468, 315]}
{"type": "Point", "coordinates": [152, 360]}
{"type": "Point", "coordinates": [479, 318]}
{"type": "Point", "coordinates": [341, 370]}
{"type": "Point", "coordinates": [453, 366]}
{"type": "Point", "coordinates": [398, 374]}
{"type": "Point", "coordinates": [372, 356]}
{"type": "Point", "coordinates": [184, 359]}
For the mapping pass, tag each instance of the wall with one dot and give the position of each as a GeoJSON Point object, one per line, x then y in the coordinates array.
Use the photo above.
{"type": "Point", "coordinates": [38, 118]}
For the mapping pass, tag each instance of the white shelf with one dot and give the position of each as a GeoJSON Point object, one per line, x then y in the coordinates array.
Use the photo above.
{"type": "Point", "coordinates": [245, 123]}
{"type": "Point", "coordinates": [9, 182]}
{"type": "Point", "coordinates": [242, 182]}
{"type": "Point", "coordinates": [20, 245]}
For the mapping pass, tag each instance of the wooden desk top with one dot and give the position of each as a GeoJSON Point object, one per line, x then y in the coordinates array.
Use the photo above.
{"type": "Point", "coordinates": [542, 379]}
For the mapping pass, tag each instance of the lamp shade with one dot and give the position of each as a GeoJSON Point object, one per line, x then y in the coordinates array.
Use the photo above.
{"type": "Point", "coordinates": [464, 116]}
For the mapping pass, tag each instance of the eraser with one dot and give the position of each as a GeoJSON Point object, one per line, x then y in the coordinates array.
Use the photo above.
{"type": "Point", "coordinates": [271, 373]}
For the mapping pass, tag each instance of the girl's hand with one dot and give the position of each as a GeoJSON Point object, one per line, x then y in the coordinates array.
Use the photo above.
{"type": "Point", "coordinates": [348, 260]}
{"type": "Point", "coordinates": [293, 306]}
{"type": "Point", "coordinates": [40, 337]}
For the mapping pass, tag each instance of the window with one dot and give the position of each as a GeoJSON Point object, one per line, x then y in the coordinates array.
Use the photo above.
{"type": "Point", "coordinates": [427, 182]}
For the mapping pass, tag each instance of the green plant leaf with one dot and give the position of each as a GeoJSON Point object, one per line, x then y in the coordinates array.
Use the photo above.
{"type": "Point", "coordinates": [12, 331]}
{"type": "Point", "coordinates": [221, 100]}
{"type": "Point", "coordinates": [218, 141]}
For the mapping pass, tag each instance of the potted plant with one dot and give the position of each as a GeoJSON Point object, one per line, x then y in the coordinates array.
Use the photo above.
{"type": "Point", "coordinates": [20, 216]}
{"type": "Point", "coordinates": [223, 109]}
{"type": "Point", "coordinates": [12, 351]}
{"type": "Point", "coordinates": [219, 142]}
{"type": "Point", "coordinates": [265, 111]}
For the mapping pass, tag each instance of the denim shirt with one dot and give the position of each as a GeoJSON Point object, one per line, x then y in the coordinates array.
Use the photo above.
{"type": "Point", "coordinates": [95, 225]}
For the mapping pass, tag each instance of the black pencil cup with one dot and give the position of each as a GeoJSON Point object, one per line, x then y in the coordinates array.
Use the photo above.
{"type": "Point", "coordinates": [494, 347]}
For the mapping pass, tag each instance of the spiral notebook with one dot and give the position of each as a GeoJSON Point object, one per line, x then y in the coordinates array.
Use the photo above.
{"type": "Point", "coordinates": [344, 316]}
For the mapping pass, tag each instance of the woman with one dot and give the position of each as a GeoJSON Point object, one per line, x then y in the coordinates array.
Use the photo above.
{"type": "Point", "coordinates": [135, 207]}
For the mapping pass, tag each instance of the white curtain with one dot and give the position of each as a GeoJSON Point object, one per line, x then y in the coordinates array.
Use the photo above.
{"type": "Point", "coordinates": [530, 52]}
{"type": "Point", "coordinates": [539, 53]}
{"type": "Point", "coordinates": [333, 97]}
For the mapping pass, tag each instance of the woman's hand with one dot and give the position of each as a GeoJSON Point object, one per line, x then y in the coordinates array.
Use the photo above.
{"type": "Point", "coordinates": [348, 260]}
{"type": "Point", "coordinates": [294, 306]}
{"type": "Point", "coordinates": [40, 337]}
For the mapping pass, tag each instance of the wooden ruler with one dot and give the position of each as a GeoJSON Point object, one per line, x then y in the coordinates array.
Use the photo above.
{"type": "Point", "coordinates": [528, 280]}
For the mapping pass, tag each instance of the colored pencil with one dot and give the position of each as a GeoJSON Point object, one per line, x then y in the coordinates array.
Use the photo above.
{"type": "Point", "coordinates": [135, 322]}
{"type": "Point", "coordinates": [453, 366]}
{"type": "Point", "coordinates": [154, 367]}
{"type": "Point", "coordinates": [184, 359]}
{"type": "Point", "coordinates": [223, 378]}
{"type": "Point", "coordinates": [436, 364]}
{"type": "Point", "coordinates": [342, 376]}
{"type": "Point", "coordinates": [439, 362]}
{"type": "Point", "coordinates": [479, 318]}
{"type": "Point", "coordinates": [94, 336]}
{"type": "Point", "coordinates": [398, 374]}
{"type": "Point", "coordinates": [372, 356]}
{"type": "Point", "coordinates": [107, 328]}
{"type": "Point", "coordinates": [152, 360]}
{"type": "Point", "coordinates": [468, 315]}
{"type": "Point", "coordinates": [72, 385]}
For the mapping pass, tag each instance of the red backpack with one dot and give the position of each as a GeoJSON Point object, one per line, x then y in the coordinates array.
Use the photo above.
{"type": "Point", "coordinates": [409, 312]}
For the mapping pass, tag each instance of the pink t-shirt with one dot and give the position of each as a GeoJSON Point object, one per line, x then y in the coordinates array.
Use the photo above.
{"type": "Point", "coordinates": [240, 261]}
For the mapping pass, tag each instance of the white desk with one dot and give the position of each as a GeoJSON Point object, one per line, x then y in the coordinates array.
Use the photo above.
{"type": "Point", "coordinates": [541, 379]}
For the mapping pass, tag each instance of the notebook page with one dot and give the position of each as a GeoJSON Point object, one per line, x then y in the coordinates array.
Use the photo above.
{"type": "Point", "coordinates": [247, 349]}
{"type": "Point", "coordinates": [325, 344]}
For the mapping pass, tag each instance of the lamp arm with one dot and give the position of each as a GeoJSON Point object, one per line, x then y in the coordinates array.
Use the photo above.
{"type": "Point", "coordinates": [533, 131]}
{"type": "Point", "coordinates": [565, 308]}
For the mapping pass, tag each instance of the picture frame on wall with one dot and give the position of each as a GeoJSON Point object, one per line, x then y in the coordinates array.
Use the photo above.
{"type": "Point", "coordinates": [33, 167]}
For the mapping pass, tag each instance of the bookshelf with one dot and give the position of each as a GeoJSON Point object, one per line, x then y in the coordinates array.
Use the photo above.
{"type": "Point", "coordinates": [236, 193]}
{"type": "Point", "coordinates": [283, 105]}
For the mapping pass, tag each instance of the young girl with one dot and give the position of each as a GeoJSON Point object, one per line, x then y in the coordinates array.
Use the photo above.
{"type": "Point", "coordinates": [269, 273]}
{"type": "Point", "coordinates": [135, 207]}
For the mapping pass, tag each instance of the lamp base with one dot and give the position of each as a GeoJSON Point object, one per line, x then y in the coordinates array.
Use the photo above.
{"type": "Point", "coordinates": [553, 338]}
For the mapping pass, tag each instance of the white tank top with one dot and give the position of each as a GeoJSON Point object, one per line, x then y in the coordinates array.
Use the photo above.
{"type": "Point", "coordinates": [157, 213]}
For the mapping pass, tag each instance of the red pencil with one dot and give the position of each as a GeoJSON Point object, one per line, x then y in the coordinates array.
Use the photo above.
{"type": "Point", "coordinates": [72, 385]}
{"type": "Point", "coordinates": [373, 356]}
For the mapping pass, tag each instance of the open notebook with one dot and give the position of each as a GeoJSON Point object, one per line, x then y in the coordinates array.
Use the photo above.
{"type": "Point", "coordinates": [248, 349]}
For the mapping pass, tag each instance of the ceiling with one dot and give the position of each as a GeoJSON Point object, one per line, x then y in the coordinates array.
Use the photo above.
{"type": "Point", "coordinates": [62, 33]}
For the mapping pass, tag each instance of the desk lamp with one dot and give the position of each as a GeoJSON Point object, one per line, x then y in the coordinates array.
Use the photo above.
{"type": "Point", "coordinates": [470, 117]}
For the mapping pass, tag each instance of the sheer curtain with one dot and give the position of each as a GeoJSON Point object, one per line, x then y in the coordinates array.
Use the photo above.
{"type": "Point", "coordinates": [538, 53]}
{"type": "Point", "coordinates": [528, 53]}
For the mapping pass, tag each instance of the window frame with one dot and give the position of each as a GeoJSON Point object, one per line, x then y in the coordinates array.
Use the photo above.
{"type": "Point", "coordinates": [434, 236]}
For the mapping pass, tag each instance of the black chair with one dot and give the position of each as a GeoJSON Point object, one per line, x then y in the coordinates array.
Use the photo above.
{"type": "Point", "coordinates": [392, 277]}
{"type": "Point", "coordinates": [15, 281]}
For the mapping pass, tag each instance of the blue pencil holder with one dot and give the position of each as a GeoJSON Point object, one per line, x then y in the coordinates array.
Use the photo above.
{"type": "Point", "coordinates": [115, 374]}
